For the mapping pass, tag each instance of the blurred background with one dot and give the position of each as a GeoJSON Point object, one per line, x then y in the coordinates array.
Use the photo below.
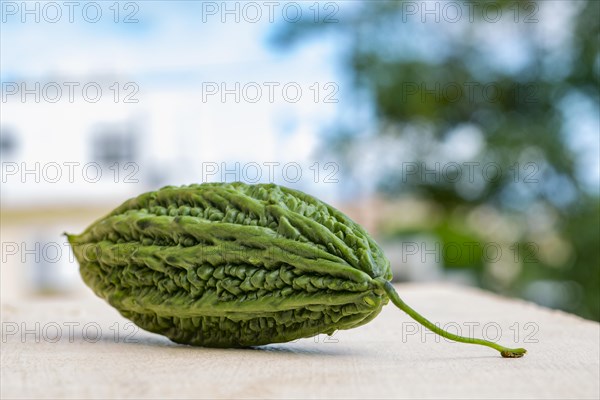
{"type": "Point", "coordinates": [463, 135]}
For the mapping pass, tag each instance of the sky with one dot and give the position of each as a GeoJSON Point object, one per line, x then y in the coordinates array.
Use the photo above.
{"type": "Point", "coordinates": [172, 49]}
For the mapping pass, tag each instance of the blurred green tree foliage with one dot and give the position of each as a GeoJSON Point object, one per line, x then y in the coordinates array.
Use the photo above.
{"type": "Point", "coordinates": [503, 110]}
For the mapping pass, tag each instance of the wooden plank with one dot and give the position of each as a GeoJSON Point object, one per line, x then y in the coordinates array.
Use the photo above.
{"type": "Point", "coordinates": [391, 357]}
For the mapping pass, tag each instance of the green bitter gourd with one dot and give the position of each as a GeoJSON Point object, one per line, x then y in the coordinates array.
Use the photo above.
{"type": "Point", "coordinates": [235, 265]}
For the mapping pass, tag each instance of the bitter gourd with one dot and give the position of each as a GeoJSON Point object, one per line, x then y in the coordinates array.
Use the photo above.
{"type": "Point", "coordinates": [236, 265]}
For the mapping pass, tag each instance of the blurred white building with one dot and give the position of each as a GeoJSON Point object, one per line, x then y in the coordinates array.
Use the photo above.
{"type": "Point", "coordinates": [70, 153]}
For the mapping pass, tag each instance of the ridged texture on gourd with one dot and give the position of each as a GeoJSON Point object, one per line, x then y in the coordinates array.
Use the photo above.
{"type": "Point", "coordinates": [229, 265]}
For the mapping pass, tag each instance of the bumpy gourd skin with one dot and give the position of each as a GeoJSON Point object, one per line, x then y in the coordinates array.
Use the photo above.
{"type": "Point", "coordinates": [230, 265]}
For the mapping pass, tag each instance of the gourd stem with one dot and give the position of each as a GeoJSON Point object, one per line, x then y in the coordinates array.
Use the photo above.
{"type": "Point", "coordinates": [393, 295]}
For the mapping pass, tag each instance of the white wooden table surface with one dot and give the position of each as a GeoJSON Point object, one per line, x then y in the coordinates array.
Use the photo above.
{"type": "Point", "coordinates": [82, 348]}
